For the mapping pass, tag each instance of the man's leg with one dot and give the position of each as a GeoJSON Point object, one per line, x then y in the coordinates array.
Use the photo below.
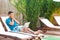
{"type": "Point", "coordinates": [22, 30]}
{"type": "Point", "coordinates": [31, 31]}
{"type": "Point", "coordinates": [28, 30]}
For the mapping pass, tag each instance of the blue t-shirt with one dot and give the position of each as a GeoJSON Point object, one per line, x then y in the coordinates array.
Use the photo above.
{"type": "Point", "coordinates": [8, 20]}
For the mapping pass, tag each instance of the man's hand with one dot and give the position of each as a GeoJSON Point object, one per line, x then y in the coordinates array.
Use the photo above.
{"type": "Point", "coordinates": [17, 21]}
{"type": "Point", "coordinates": [12, 22]}
{"type": "Point", "coordinates": [13, 18]}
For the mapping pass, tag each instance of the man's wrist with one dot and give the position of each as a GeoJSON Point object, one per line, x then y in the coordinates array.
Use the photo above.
{"type": "Point", "coordinates": [12, 20]}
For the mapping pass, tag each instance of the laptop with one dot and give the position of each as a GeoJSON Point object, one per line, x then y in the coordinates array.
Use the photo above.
{"type": "Point", "coordinates": [26, 24]}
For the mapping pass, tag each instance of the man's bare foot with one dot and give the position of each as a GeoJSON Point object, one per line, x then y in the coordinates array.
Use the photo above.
{"type": "Point", "coordinates": [37, 32]}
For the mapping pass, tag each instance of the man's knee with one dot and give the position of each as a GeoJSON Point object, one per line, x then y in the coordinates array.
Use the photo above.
{"type": "Point", "coordinates": [26, 28]}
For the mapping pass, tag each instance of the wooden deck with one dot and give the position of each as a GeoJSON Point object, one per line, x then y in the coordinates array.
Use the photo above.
{"type": "Point", "coordinates": [2, 38]}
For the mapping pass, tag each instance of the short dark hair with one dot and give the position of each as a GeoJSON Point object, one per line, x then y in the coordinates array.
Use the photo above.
{"type": "Point", "coordinates": [10, 12]}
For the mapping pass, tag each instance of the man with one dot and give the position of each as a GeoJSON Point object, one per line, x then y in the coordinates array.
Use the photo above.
{"type": "Point", "coordinates": [13, 24]}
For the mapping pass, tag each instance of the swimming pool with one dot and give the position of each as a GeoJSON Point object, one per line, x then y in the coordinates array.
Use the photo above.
{"type": "Point", "coordinates": [50, 37]}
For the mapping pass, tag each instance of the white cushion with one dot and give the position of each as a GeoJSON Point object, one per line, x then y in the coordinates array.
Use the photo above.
{"type": "Point", "coordinates": [48, 23]}
{"type": "Point", "coordinates": [15, 35]}
{"type": "Point", "coordinates": [57, 18]}
{"type": "Point", "coordinates": [4, 21]}
{"type": "Point", "coordinates": [1, 27]}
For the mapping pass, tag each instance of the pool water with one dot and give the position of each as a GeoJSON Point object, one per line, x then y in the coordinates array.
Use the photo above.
{"type": "Point", "coordinates": [51, 38]}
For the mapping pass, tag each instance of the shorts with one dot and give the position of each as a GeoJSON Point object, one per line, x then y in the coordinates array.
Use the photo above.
{"type": "Point", "coordinates": [17, 29]}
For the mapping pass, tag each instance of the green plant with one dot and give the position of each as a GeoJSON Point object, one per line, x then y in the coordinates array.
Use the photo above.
{"type": "Point", "coordinates": [33, 9]}
{"type": "Point", "coordinates": [33, 12]}
{"type": "Point", "coordinates": [47, 6]}
{"type": "Point", "coordinates": [20, 5]}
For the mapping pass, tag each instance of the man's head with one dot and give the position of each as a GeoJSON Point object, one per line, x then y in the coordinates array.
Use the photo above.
{"type": "Point", "coordinates": [10, 14]}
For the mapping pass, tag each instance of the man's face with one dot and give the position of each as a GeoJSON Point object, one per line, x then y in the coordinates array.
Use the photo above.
{"type": "Point", "coordinates": [12, 15]}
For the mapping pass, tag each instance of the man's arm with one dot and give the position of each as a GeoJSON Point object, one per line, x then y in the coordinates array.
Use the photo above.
{"type": "Point", "coordinates": [12, 22]}
{"type": "Point", "coordinates": [17, 21]}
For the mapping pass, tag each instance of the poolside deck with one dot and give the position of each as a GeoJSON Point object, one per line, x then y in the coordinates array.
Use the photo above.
{"type": "Point", "coordinates": [2, 38]}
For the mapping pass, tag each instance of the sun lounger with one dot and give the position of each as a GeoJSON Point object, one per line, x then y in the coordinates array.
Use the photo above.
{"type": "Point", "coordinates": [3, 19]}
{"type": "Point", "coordinates": [11, 34]}
{"type": "Point", "coordinates": [48, 24]}
{"type": "Point", "coordinates": [7, 29]}
{"type": "Point", "coordinates": [57, 19]}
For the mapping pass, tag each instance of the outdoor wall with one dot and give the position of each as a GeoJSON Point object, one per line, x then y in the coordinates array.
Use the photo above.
{"type": "Point", "coordinates": [5, 7]}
